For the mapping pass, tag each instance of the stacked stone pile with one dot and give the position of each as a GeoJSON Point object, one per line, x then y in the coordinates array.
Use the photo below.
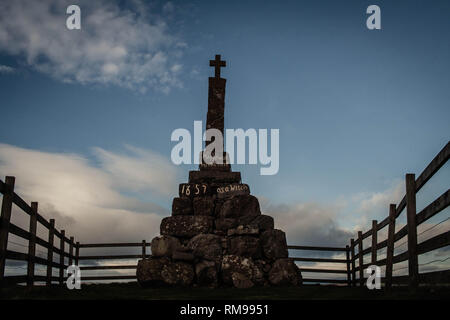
{"type": "Point", "coordinates": [218, 236]}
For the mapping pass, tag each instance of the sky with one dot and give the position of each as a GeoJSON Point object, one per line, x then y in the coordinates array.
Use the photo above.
{"type": "Point", "coordinates": [87, 115]}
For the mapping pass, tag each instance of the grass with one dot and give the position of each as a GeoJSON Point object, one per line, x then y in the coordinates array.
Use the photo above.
{"type": "Point", "coordinates": [134, 291]}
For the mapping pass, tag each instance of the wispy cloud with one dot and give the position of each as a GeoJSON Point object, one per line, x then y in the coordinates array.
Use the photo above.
{"type": "Point", "coordinates": [381, 200]}
{"type": "Point", "coordinates": [87, 200]}
{"type": "Point", "coordinates": [130, 46]}
{"type": "Point", "coordinates": [6, 69]}
{"type": "Point", "coordinates": [308, 223]}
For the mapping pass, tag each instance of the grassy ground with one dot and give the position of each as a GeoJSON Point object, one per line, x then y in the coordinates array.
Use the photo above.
{"type": "Point", "coordinates": [133, 291]}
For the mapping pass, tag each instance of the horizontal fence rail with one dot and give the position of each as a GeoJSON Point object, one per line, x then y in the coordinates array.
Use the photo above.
{"type": "Point", "coordinates": [346, 271]}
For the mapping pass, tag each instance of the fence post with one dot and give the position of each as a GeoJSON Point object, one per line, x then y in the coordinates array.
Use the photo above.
{"type": "Point", "coordinates": [71, 251]}
{"type": "Point", "coordinates": [352, 247]}
{"type": "Point", "coordinates": [32, 244]}
{"type": "Point", "coordinates": [77, 253]}
{"type": "Point", "coordinates": [51, 236]}
{"type": "Point", "coordinates": [61, 257]}
{"type": "Point", "coordinates": [360, 258]}
{"type": "Point", "coordinates": [347, 253]}
{"type": "Point", "coordinates": [413, 267]}
{"type": "Point", "coordinates": [374, 241]}
{"type": "Point", "coordinates": [143, 249]}
{"type": "Point", "coordinates": [4, 225]}
{"type": "Point", "coordinates": [390, 246]}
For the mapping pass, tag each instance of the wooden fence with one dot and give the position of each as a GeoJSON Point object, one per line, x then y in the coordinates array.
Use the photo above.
{"type": "Point", "coordinates": [353, 260]}
{"type": "Point", "coordinates": [414, 219]}
{"type": "Point", "coordinates": [10, 198]}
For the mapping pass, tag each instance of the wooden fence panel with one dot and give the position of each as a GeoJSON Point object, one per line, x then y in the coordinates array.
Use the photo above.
{"type": "Point", "coordinates": [71, 251]}
{"type": "Point", "coordinates": [352, 247]}
{"type": "Point", "coordinates": [5, 221]}
{"type": "Point", "coordinates": [51, 237]}
{"type": "Point", "coordinates": [347, 255]}
{"type": "Point", "coordinates": [61, 256]}
{"type": "Point", "coordinates": [374, 241]}
{"type": "Point", "coordinates": [390, 246]}
{"type": "Point", "coordinates": [32, 244]}
{"type": "Point", "coordinates": [413, 266]}
{"type": "Point", "coordinates": [361, 259]}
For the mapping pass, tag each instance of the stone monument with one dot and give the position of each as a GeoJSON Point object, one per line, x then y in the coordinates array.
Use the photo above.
{"type": "Point", "coordinates": [217, 235]}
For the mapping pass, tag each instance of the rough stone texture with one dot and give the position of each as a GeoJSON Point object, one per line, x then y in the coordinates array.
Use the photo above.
{"type": "Point", "coordinates": [206, 246]}
{"type": "Point", "coordinates": [243, 230]}
{"type": "Point", "coordinates": [241, 281]}
{"type": "Point", "coordinates": [206, 273]}
{"type": "Point", "coordinates": [263, 265]}
{"type": "Point", "coordinates": [223, 224]}
{"type": "Point", "coordinates": [148, 271]}
{"type": "Point", "coordinates": [232, 190]}
{"type": "Point", "coordinates": [164, 246]}
{"type": "Point", "coordinates": [274, 244]}
{"type": "Point", "coordinates": [214, 177]}
{"type": "Point", "coordinates": [285, 272]}
{"type": "Point", "coordinates": [183, 256]}
{"type": "Point", "coordinates": [186, 226]}
{"type": "Point", "coordinates": [243, 208]}
{"type": "Point", "coordinates": [232, 264]}
{"type": "Point", "coordinates": [262, 222]}
{"type": "Point", "coordinates": [182, 206]}
{"type": "Point", "coordinates": [203, 206]}
{"type": "Point", "coordinates": [245, 246]}
{"type": "Point", "coordinates": [178, 273]}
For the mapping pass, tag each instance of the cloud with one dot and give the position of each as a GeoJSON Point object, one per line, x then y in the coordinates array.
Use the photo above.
{"type": "Point", "coordinates": [128, 47]}
{"type": "Point", "coordinates": [308, 223]}
{"type": "Point", "coordinates": [86, 200]}
{"type": "Point", "coordinates": [139, 170]}
{"type": "Point", "coordinates": [381, 200]}
{"type": "Point", "coordinates": [6, 69]}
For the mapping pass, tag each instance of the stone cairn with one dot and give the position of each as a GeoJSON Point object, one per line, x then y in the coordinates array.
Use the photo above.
{"type": "Point", "coordinates": [217, 235]}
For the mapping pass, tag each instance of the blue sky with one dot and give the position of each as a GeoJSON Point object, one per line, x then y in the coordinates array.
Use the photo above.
{"type": "Point", "coordinates": [356, 108]}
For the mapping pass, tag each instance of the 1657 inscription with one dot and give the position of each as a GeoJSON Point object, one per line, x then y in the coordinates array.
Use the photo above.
{"type": "Point", "coordinates": [193, 189]}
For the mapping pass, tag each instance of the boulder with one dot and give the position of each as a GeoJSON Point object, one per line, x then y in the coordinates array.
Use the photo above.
{"type": "Point", "coordinates": [232, 190]}
{"type": "Point", "coordinates": [206, 273]}
{"type": "Point", "coordinates": [244, 208]}
{"type": "Point", "coordinates": [262, 222]}
{"type": "Point", "coordinates": [214, 177]}
{"type": "Point", "coordinates": [274, 244]}
{"type": "Point", "coordinates": [203, 206]}
{"type": "Point", "coordinates": [206, 246]}
{"type": "Point", "coordinates": [182, 206]}
{"type": "Point", "coordinates": [243, 230]}
{"type": "Point", "coordinates": [245, 246]}
{"type": "Point", "coordinates": [178, 274]}
{"type": "Point", "coordinates": [148, 271]}
{"type": "Point", "coordinates": [285, 272]}
{"type": "Point", "coordinates": [263, 265]}
{"type": "Point", "coordinates": [186, 226]}
{"type": "Point", "coordinates": [223, 224]}
{"type": "Point", "coordinates": [183, 256]}
{"type": "Point", "coordinates": [232, 264]}
{"type": "Point", "coordinates": [240, 281]}
{"type": "Point", "coordinates": [164, 246]}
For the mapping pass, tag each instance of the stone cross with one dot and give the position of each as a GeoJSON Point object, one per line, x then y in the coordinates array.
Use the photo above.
{"type": "Point", "coordinates": [216, 97]}
{"type": "Point", "coordinates": [217, 64]}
